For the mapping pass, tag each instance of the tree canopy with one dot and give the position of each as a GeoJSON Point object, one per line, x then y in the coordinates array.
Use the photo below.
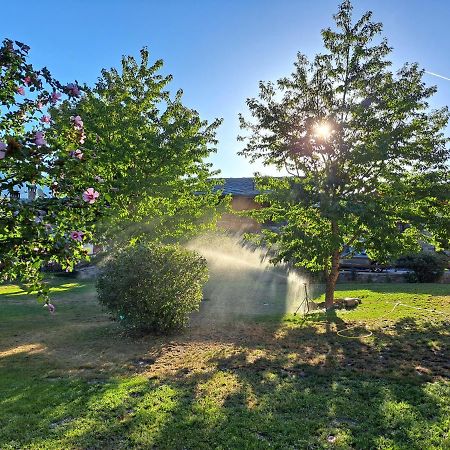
{"type": "Point", "coordinates": [363, 152]}
{"type": "Point", "coordinates": [148, 156]}
{"type": "Point", "coordinates": [121, 162]}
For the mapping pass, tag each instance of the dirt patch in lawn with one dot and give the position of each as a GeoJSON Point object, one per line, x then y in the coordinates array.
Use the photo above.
{"type": "Point", "coordinates": [81, 340]}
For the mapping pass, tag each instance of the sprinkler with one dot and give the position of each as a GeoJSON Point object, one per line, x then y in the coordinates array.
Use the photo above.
{"type": "Point", "coordinates": [305, 301]}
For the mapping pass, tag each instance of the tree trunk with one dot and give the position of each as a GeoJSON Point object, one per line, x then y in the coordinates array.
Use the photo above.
{"type": "Point", "coordinates": [332, 277]}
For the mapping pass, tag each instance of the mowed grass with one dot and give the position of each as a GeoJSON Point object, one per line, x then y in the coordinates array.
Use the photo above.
{"type": "Point", "coordinates": [75, 380]}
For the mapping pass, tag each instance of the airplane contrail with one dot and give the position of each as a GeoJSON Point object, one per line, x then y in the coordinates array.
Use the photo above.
{"type": "Point", "coordinates": [437, 75]}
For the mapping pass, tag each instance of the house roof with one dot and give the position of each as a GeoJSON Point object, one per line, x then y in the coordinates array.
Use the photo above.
{"type": "Point", "coordinates": [244, 186]}
{"type": "Point", "coordinates": [238, 186]}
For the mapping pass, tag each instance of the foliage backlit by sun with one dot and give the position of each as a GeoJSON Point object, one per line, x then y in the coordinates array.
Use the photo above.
{"type": "Point", "coordinates": [323, 130]}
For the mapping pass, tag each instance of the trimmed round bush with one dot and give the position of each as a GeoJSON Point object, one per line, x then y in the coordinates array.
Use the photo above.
{"type": "Point", "coordinates": [427, 267]}
{"type": "Point", "coordinates": [153, 287]}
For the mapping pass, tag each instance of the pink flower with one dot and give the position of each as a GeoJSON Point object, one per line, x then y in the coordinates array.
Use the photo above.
{"type": "Point", "coordinates": [90, 195]}
{"type": "Point", "coordinates": [39, 139]}
{"type": "Point", "coordinates": [27, 80]}
{"type": "Point", "coordinates": [77, 235]}
{"type": "Point", "coordinates": [55, 97]}
{"type": "Point", "coordinates": [40, 105]}
{"type": "Point", "coordinates": [82, 137]}
{"type": "Point", "coordinates": [2, 154]}
{"type": "Point", "coordinates": [74, 90]}
{"type": "Point", "coordinates": [46, 119]}
{"type": "Point", "coordinates": [78, 154]}
{"type": "Point", "coordinates": [50, 307]}
{"type": "Point", "coordinates": [20, 90]}
{"type": "Point", "coordinates": [77, 122]}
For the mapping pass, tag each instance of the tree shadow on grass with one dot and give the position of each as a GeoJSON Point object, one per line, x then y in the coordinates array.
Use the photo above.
{"type": "Point", "coordinates": [250, 385]}
{"type": "Point", "coordinates": [337, 401]}
{"type": "Point", "coordinates": [258, 396]}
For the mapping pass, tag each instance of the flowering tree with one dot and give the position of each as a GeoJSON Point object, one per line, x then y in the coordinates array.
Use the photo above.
{"type": "Point", "coordinates": [51, 226]}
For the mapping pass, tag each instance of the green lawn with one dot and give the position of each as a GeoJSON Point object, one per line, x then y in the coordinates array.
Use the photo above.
{"type": "Point", "coordinates": [74, 380]}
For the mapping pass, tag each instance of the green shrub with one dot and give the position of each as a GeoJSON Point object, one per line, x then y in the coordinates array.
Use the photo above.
{"type": "Point", "coordinates": [152, 287]}
{"type": "Point", "coordinates": [427, 267]}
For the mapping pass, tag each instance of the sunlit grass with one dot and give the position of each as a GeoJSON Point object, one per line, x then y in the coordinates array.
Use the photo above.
{"type": "Point", "coordinates": [56, 286]}
{"type": "Point", "coordinates": [390, 302]}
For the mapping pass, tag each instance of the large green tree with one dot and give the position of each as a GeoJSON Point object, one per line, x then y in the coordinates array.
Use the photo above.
{"type": "Point", "coordinates": [149, 154]}
{"type": "Point", "coordinates": [364, 153]}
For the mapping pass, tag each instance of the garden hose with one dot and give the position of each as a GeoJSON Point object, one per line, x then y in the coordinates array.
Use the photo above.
{"type": "Point", "coordinates": [339, 333]}
{"type": "Point", "coordinates": [370, 333]}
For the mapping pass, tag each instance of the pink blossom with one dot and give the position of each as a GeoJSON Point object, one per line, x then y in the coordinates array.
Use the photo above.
{"type": "Point", "coordinates": [40, 105]}
{"type": "Point", "coordinates": [55, 97]}
{"type": "Point", "coordinates": [78, 154]}
{"type": "Point", "coordinates": [27, 80]}
{"type": "Point", "coordinates": [20, 90]}
{"type": "Point", "coordinates": [77, 235]}
{"type": "Point", "coordinates": [50, 307]}
{"type": "Point", "coordinates": [74, 90]}
{"type": "Point", "coordinates": [39, 139]}
{"type": "Point", "coordinates": [46, 119]}
{"type": "Point", "coordinates": [77, 122]}
{"type": "Point", "coordinates": [90, 195]}
{"type": "Point", "coordinates": [82, 137]}
{"type": "Point", "coordinates": [2, 154]}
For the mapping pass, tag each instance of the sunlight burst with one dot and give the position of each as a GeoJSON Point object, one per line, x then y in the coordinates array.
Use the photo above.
{"type": "Point", "coordinates": [323, 130]}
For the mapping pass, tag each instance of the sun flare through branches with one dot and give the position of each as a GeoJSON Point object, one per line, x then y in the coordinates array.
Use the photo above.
{"type": "Point", "coordinates": [323, 130]}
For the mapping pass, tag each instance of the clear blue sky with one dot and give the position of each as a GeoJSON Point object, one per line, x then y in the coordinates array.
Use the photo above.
{"type": "Point", "coordinates": [217, 50]}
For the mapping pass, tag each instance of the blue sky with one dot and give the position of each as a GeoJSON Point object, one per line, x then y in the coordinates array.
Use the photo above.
{"type": "Point", "coordinates": [217, 50]}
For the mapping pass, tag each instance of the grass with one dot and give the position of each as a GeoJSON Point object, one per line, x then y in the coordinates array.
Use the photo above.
{"type": "Point", "coordinates": [74, 380]}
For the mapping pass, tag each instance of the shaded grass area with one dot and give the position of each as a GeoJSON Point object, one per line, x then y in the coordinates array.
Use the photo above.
{"type": "Point", "coordinates": [74, 380]}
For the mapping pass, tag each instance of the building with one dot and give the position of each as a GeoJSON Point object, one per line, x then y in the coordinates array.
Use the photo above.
{"type": "Point", "coordinates": [243, 193]}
